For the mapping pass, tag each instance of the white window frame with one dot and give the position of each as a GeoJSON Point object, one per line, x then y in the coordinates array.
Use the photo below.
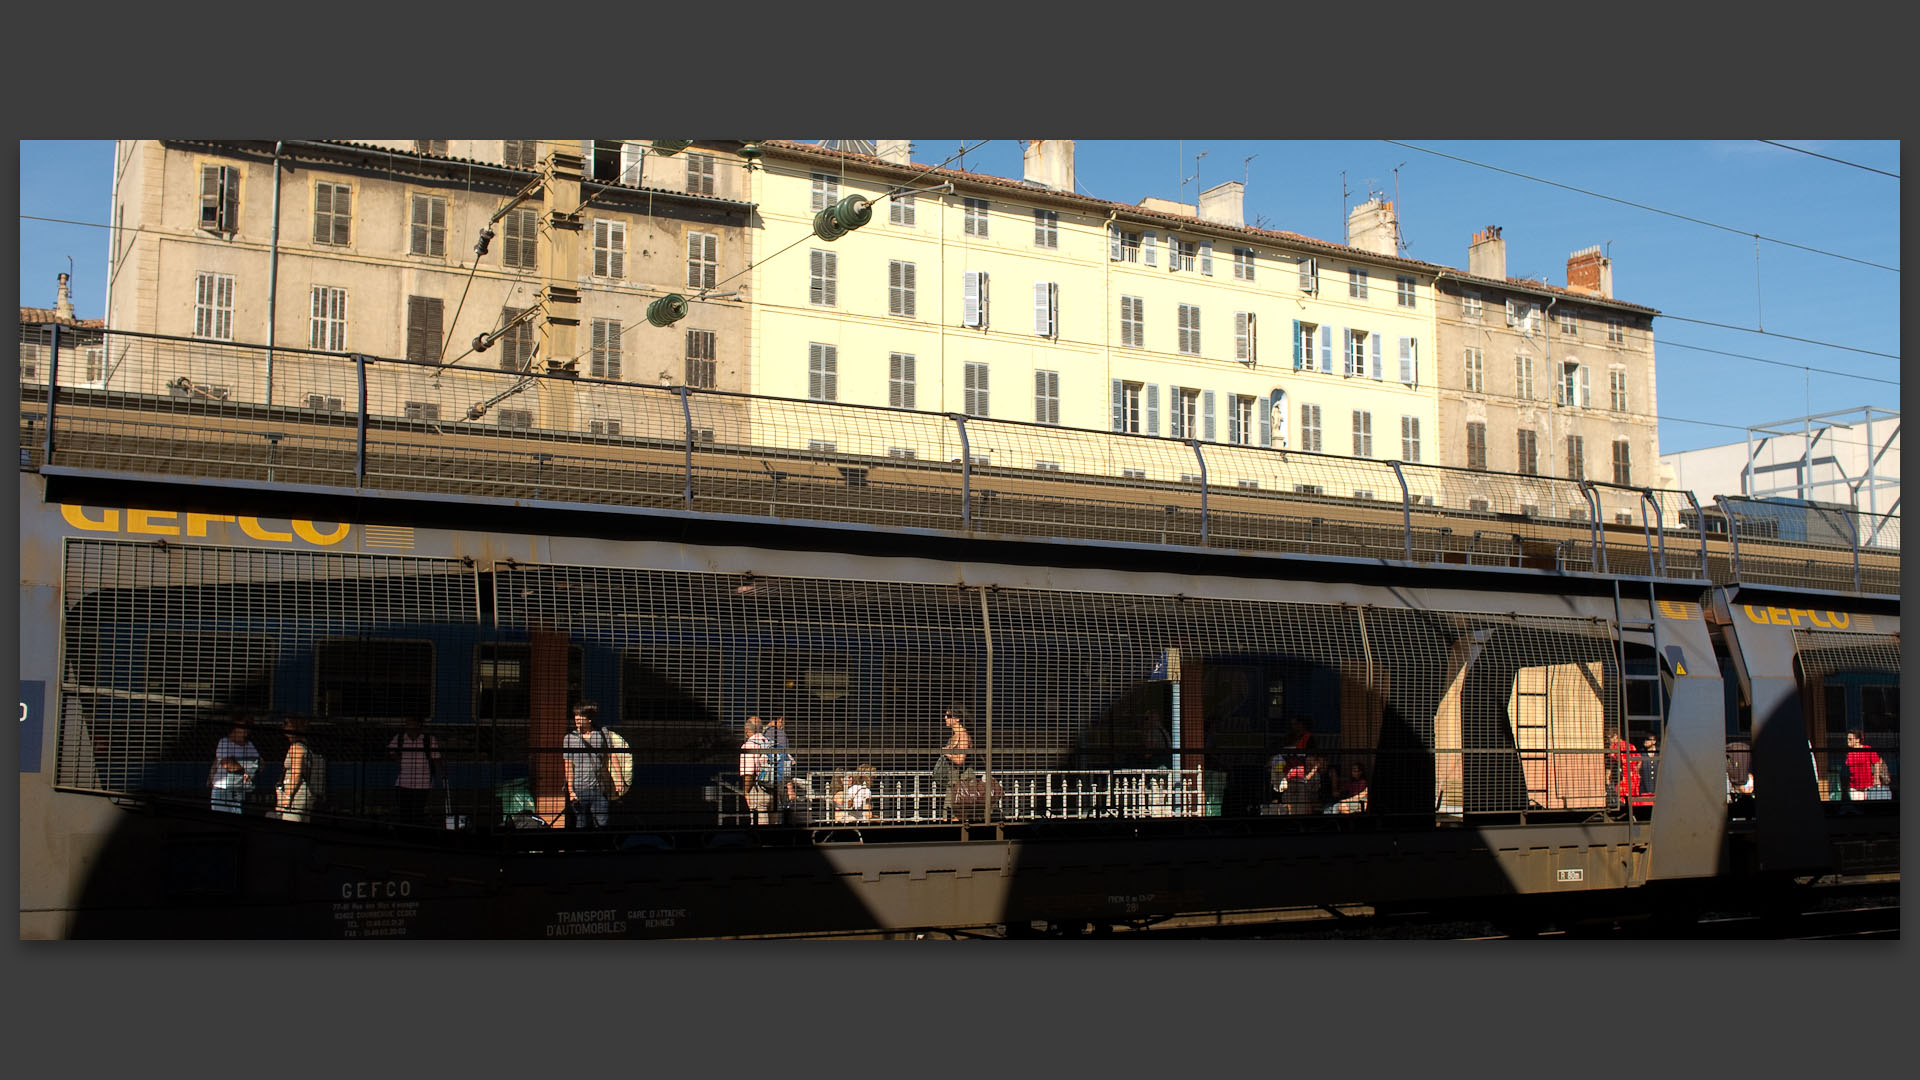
{"type": "Point", "coordinates": [1183, 412]}
{"type": "Point", "coordinates": [1188, 339]}
{"type": "Point", "coordinates": [1574, 384]}
{"type": "Point", "coordinates": [1617, 388]}
{"type": "Point", "coordinates": [1046, 309]}
{"type": "Point", "coordinates": [900, 210]}
{"type": "Point", "coordinates": [902, 288]}
{"type": "Point", "coordinates": [826, 191]}
{"type": "Point", "coordinates": [1046, 228]}
{"type": "Point", "coordinates": [974, 217]}
{"type": "Point", "coordinates": [1308, 331]}
{"type": "Point", "coordinates": [1046, 397]}
{"type": "Point", "coordinates": [1356, 354]}
{"type": "Point", "coordinates": [823, 278]}
{"type": "Point", "coordinates": [1243, 258]}
{"type": "Point", "coordinates": [1471, 306]}
{"type": "Point", "coordinates": [1133, 331]}
{"type": "Point", "coordinates": [1311, 436]}
{"type": "Point", "coordinates": [901, 391]}
{"type": "Point", "coordinates": [1616, 332]}
{"type": "Point", "coordinates": [1569, 323]}
{"type": "Point", "coordinates": [1404, 292]}
{"type": "Point", "coordinates": [213, 306]}
{"type": "Point", "coordinates": [702, 174]}
{"type": "Point", "coordinates": [1245, 337]}
{"type": "Point", "coordinates": [974, 296]}
{"type": "Point", "coordinates": [1309, 268]}
{"type": "Point", "coordinates": [610, 248]}
{"type": "Point", "coordinates": [1410, 361]}
{"type": "Point", "coordinates": [823, 371]}
{"type": "Point", "coordinates": [1356, 283]}
{"type": "Point", "coordinates": [975, 400]}
{"type": "Point", "coordinates": [1181, 254]}
{"type": "Point", "coordinates": [1474, 365]}
{"type": "Point", "coordinates": [1241, 423]}
{"type": "Point", "coordinates": [703, 260]}
{"type": "Point", "coordinates": [1410, 439]}
{"type": "Point", "coordinates": [425, 234]}
{"type": "Point", "coordinates": [1362, 433]}
{"type": "Point", "coordinates": [327, 330]}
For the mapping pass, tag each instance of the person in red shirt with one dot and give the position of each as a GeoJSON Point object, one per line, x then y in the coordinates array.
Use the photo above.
{"type": "Point", "coordinates": [1866, 773]}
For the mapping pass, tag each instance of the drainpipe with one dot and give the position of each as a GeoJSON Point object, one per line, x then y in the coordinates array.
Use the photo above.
{"type": "Point", "coordinates": [273, 269]}
{"type": "Point", "coordinates": [1546, 346]}
{"type": "Point", "coordinates": [1106, 346]}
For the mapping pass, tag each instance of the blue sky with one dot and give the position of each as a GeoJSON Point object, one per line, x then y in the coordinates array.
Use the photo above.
{"type": "Point", "coordinates": [1693, 273]}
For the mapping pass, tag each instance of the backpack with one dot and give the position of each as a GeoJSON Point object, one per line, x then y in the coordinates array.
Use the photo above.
{"type": "Point", "coordinates": [619, 764]}
{"type": "Point", "coordinates": [776, 768]}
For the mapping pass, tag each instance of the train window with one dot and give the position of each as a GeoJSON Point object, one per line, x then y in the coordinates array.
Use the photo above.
{"type": "Point", "coordinates": [367, 677]}
{"type": "Point", "coordinates": [211, 669]}
{"type": "Point", "coordinates": [503, 675]}
{"type": "Point", "coordinates": [1880, 708]}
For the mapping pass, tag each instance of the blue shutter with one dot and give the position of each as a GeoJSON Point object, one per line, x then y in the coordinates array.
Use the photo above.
{"type": "Point", "coordinates": [1373, 354]}
{"type": "Point", "coordinates": [1119, 405]}
{"type": "Point", "coordinates": [1298, 357]}
{"type": "Point", "coordinates": [1153, 409]}
{"type": "Point", "coordinates": [1206, 413]}
{"type": "Point", "coordinates": [1177, 420]}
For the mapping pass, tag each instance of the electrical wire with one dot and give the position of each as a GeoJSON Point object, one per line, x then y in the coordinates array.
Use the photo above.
{"type": "Point", "coordinates": [1643, 206]}
{"type": "Point", "coordinates": [1779, 363]}
{"type": "Point", "coordinates": [1824, 157]}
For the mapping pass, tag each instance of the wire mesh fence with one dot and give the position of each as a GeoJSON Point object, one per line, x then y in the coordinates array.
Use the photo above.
{"type": "Point", "coordinates": [740, 700]}
{"type": "Point", "coordinates": [156, 405]}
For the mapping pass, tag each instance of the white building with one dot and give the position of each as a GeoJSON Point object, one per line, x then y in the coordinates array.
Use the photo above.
{"type": "Point", "coordinates": [1851, 457]}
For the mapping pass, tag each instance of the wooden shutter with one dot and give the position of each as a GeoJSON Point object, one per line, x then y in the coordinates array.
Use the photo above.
{"type": "Point", "coordinates": [1299, 351]}
{"type": "Point", "coordinates": [1266, 420]}
{"type": "Point", "coordinates": [1043, 293]}
{"type": "Point", "coordinates": [1206, 257]}
{"type": "Point", "coordinates": [1243, 336]}
{"type": "Point", "coordinates": [423, 329]}
{"type": "Point", "coordinates": [1309, 271]}
{"type": "Point", "coordinates": [210, 197]}
{"type": "Point", "coordinates": [1177, 420]}
{"type": "Point", "coordinates": [229, 199]}
{"type": "Point", "coordinates": [1153, 409]}
{"type": "Point", "coordinates": [1326, 350]}
{"type": "Point", "coordinates": [1406, 361]}
{"type": "Point", "coordinates": [1113, 243]}
{"type": "Point", "coordinates": [323, 213]}
{"type": "Point", "coordinates": [907, 286]}
{"type": "Point", "coordinates": [1148, 242]}
{"type": "Point", "coordinates": [616, 249]}
{"type": "Point", "coordinates": [1119, 405]}
{"type": "Point", "coordinates": [1346, 353]}
{"type": "Point", "coordinates": [973, 307]}
{"type": "Point", "coordinates": [419, 230]}
{"type": "Point", "coordinates": [1585, 388]}
{"type": "Point", "coordinates": [602, 240]}
{"type": "Point", "coordinates": [1373, 354]}
{"type": "Point", "coordinates": [1206, 415]}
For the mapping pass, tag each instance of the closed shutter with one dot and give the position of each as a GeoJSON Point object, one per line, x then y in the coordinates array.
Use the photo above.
{"type": "Point", "coordinates": [1149, 243]}
{"type": "Point", "coordinates": [323, 213]}
{"type": "Point", "coordinates": [1326, 350]}
{"type": "Point", "coordinates": [1113, 243]}
{"type": "Point", "coordinates": [1266, 422]}
{"type": "Point", "coordinates": [1206, 415]}
{"type": "Point", "coordinates": [423, 329]}
{"type": "Point", "coordinates": [1243, 336]}
{"type": "Point", "coordinates": [616, 249]}
{"type": "Point", "coordinates": [1206, 257]}
{"type": "Point", "coordinates": [1346, 353]}
{"type": "Point", "coordinates": [1406, 361]}
{"type": "Point", "coordinates": [602, 230]}
{"type": "Point", "coordinates": [907, 289]}
{"type": "Point", "coordinates": [1299, 354]}
{"type": "Point", "coordinates": [1373, 355]}
{"type": "Point", "coordinates": [1119, 405]}
{"type": "Point", "coordinates": [1233, 418]}
{"type": "Point", "coordinates": [1585, 389]}
{"type": "Point", "coordinates": [973, 307]}
{"type": "Point", "coordinates": [1043, 308]}
{"type": "Point", "coordinates": [1153, 409]}
{"type": "Point", "coordinates": [419, 236]}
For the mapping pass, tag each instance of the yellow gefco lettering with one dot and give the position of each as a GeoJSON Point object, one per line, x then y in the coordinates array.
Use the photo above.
{"type": "Point", "coordinates": [252, 527]}
{"type": "Point", "coordinates": [1828, 620]}
{"type": "Point", "coordinates": [305, 530]}
{"type": "Point", "coordinates": [142, 521]}
{"type": "Point", "coordinates": [197, 523]}
{"type": "Point", "coordinates": [77, 517]}
{"type": "Point", "coordinates": [1840, 619]}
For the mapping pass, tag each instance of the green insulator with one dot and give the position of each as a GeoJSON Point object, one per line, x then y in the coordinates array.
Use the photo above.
{"type": "Point", "coordinates": [752, 151]}
{"type": "Point", "coordinates": [826, 224]}
{"type": "Point", "coordinates": [853, 212]}
{"type": "Point", "coordinates": [667, 310]}
{"type": "Point", "coordinates": [670, 147]}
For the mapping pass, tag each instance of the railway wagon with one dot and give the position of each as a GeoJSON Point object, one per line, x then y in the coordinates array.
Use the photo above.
{"type": "Point", "coordinates": [1257, 686]}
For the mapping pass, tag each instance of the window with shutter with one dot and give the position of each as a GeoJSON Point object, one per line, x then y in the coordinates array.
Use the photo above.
{"type": "Point", "coordinates": [1356, 283]}
{"type": "Point", "coordinates": [219, 198]}
{"type": "Point", "coordinates": [1527, 444]}
{"type": "Point", "coordinates": [1303, 345]}
{"type": "Point", "coordinates": [430, 146]}
{"type": "Point", "coordinates": [1362, 434]}
{"type": "Point", "coordinates": [900, 210]}
{"type": "Point", "coordinates": [421, 410]}
{"type": "Point", "coordinates": [973, 298]}
{"type": "Point", "coordinates": [1470, 306]}
{"type": "Point", "coordinates": [1622, 463]}
{"type": "Point", "coordinates": [1310, 428]}
{"type": "Point", "coordinates": [213, 306]}
{"type": "Point", "coordinates": [1309, 275]}
{"type": "Point", "coordinates": [1410, 439]}
{"type": "Point", "coordinates": [700, 360]}
{"type": "Point", "coordinates": [1152, 424]}
{"type": "Point", "coordinates": [1206, 415]}
{"type": "Point", "coordinates": [823, 286]}
{"type": "Point", "coordinates": [1243, 264]}
{"type": "Point", "coordinates": [1617, 388]}
{"type": "Point", "coordinates": [703, 260]}
{"type": "Point", "coordinates": [1133, 333]}
{"type": "Point", "coordinates": [1576, 457]}
{"type": "Point", "coordinates": [1355, 360]}
{"type": "Point", "coordinates": [329, 326]}
{"type": "Point", "coordinates": [606, 349]}
{"type": "Point", "coordinates": [976, 390]}
{"type": "Point", "coordinates": [1476, 445]}
{"type": "Point", "coordinates": [332, 213]}
{"type": "Point", "coordinates": [1180, 410]}
{"type": "Point", "coordinates": [1150, 249]}
{"type": "Point", "coordinates": [1189, 338]}
{"type": "Point", "coordinates": [423, 329]}
{"type": "Point", "coordinates": [1243, 337]}
{"type": "Point", "coordinates": [1409, 366]}
{"type": "Point", "coordinates": [826, 190]}
{"type": "Point", "coordinates": [519, 153]}
{"type": "Point", "coordinates": [427, 229]}
{"type": "Point", "coordinates": [700, 174]}
{"type": "Point", "coordinates": [1569, 324]}
{"type": "Point", "coordinates": [514, 418]}
{"type": "Point", "coordinates": [1373, 355]}
{"type": "Point", "coordinates": [1181, 255]}
{"type": "Point", "coordinates": [900, 289]}
{"type": "Point", "coordinates": [609, 249]}
{"type": "Point", "coordinates": [823, 372]}
{"type": "Point", "coordinates": [975, 217]}
{"type": "Point", "coordinates": [520, 238]}
{"type": "Point", "coordinates": [516, 345]}
{"type": "Point", "coordinates": [1326, 349]}
{"type": "Point", "coordinates": [1523, 377]}
{"type": "Point", "coordinates": [1046, 397]}
{"type": "Point", "coordinates": [1046, 229]}
{"type": "Point", "coordinates": [1616, 332]}
{"type": "Point", "coordinates": [1473, 363]}
{"type": "Point", "coordinates": [633, 161]}
{"type": "Point", "coordinates": [900, 381]}
{"type": "Point", "coordinates": [1046, 295]}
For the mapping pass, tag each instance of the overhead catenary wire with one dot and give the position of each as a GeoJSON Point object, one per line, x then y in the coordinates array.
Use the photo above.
{"type": "Point", "coordinates": [1835, 160]}
{"type": "Point", "coordinates": [1643, 206]}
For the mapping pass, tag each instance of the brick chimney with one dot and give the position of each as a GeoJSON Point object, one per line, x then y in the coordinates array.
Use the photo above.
{"type": "Point", "coordinates": [1224, 204]}
{"type": "Point", "coordinates": [1371, 226]}
{"type": "Point", "coordinates": [1588, 271]}
{"type": "Point", "coordinates": [898, 151]}
{"type": "Point", "coordinates": [63, 307]}
{"type": "Point", "coordinates": [1487, 255]}
{"type": "Point", "coordinates": [1049, 163]}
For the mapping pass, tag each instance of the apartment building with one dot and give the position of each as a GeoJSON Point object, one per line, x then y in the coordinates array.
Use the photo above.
{"type": "Point", "coordinates": [1546, 380]}
{"type": "Point", "coordinates": [82, 348]}
{"type": "Point", "coordinates": [370, 247]}
{"type": "Point", "coordinates": [1024, 300]}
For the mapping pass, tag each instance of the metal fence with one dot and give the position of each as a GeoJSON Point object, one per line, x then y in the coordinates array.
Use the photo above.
{"type": "Point", "coordinates": [151, 404]}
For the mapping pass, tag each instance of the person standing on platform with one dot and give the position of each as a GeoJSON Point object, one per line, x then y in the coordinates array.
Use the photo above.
{"type": "Point", "coordinates": [589, 776]}
{"type": "Point", "coordinates": [236, 762]}
{"type": "Point", "coordinates": [419, 757]}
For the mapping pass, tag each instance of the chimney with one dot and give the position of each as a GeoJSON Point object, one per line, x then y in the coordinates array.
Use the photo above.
{"type": "Point", "coordinates": [1588, 271]}
{"type": "Point", "coordinates": [1049, 163]}
{"type": "Point", "coordinates": [64, 306]}
{"type": "Point", "coordinates": [1487, 255]}
{"type": "Point", "coordinates": [898, 151]}
{"type": "Point", "coordinates": [1223, 204]}
{"type": "Point", "coordinates": [1371, 226]}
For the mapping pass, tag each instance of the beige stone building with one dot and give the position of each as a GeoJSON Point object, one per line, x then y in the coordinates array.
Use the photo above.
{"type": "Point", "coordinates": [1545, 380]}
{"type": "Point", "coordinates": [369, 247]}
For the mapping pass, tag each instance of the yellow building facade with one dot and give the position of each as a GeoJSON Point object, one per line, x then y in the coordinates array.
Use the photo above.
{"type": "Point", "coordinates": [1020, 300]}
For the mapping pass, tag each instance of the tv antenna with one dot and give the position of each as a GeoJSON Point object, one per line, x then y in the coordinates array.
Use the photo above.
{"type": "Point", "coordinates": [1244, 171]}
{"type": "Point", "coordinates": [1398, 233]}
{"type": "Point", "coordinates": [1195, 176]}
{"type": "Point", "coordinates": [1344, 194]}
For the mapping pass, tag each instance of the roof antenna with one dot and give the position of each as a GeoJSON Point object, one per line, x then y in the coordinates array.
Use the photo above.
{"type": "Point", "coordinates": [1244, 171]}
{"type": "Point", "coordinates": [1398, 233]}
{"type": "Point", "coordinates": [1344, 193]}
{"type": "Point", "coordinates": [1195, 176]}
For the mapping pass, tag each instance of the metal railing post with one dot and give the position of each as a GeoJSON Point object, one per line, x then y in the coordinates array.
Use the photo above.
{"type": "Point", "coordinates": [1592, 495]}
{"type": "Point", "coordinates": [360, 465]}
{"type": "Point", "coordinates": [1700, 517]}
{"type": "Point", "coordinates": [1659, 530]}
{"type": "Point", "coordinates": [966, 472]}
{"type": "Point", "coordinates": [1853, 519]}
{"type": "Point", "coordinates": [686, 416]}
{"type": "Point", "coordinates": [1201, 457]}
{"type": "Point", "coordinates": [1733, 533]}
{"type": "Point", "coordinates": [1406, 507]}
{"type": "Point", "coordinates": [53, 391]}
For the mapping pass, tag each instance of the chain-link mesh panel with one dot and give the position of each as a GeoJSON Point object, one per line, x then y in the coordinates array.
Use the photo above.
{"type": "Point", "coordinates": [1850, 685]}
{"type": "Point", "coordinates": [1799, 543]}
{"type": "Point", "coordinates": [165, 647]}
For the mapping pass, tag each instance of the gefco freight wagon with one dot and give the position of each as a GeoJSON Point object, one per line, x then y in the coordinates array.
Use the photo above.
{"type": "Point", "coordinates": [1011, 706]}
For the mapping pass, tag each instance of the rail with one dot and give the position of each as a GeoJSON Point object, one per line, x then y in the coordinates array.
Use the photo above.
{"type": "Point", "coordinates": [158, 405]}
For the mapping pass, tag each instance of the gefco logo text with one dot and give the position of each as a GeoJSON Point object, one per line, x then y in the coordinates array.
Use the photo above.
{"type": "Point", "coordinates": [177, 523]}
{"type": "Point", "coordinates": [1831, 620]}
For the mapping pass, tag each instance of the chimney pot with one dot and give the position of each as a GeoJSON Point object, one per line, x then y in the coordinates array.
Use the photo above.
{"type": "Point", "coordinates": [1049, 163]}
{"type": "Point", "coordinates": [63, 306]}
